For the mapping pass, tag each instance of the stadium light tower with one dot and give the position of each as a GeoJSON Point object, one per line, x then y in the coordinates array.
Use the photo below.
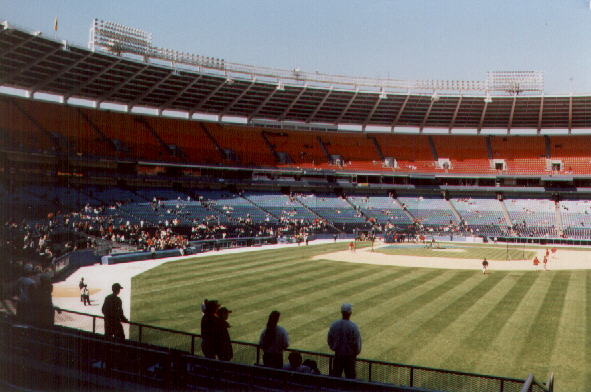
{"type": "Point", "coordinates": [119, 38]}
{"type": "Point", "coordinates": [515, 82]}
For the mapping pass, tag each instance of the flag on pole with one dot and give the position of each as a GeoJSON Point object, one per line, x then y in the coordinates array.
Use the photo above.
{"type": "Point", "coordinates": [55, 25]}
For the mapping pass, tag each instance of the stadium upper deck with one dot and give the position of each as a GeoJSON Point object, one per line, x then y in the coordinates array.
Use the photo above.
{"type": "Point", "coordinates": [39, 64]}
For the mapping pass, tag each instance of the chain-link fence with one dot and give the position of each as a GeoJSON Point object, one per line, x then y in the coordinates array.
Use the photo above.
{"type": "Point", "coordinates": [367, 370]}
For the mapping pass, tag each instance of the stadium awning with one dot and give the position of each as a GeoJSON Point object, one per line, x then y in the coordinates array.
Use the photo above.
{"type": "Point", "coordinates": [557, 179]}
{"type": "Point", "coordinates": [423, 176]}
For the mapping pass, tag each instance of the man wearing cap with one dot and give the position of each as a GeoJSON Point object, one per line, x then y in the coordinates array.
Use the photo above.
{"type": "Point", "coordinates": [210, 323]}
{"type": "Point", "coordinates": [113, 311]}
{"type": "Point", "coordinates": [345, 340]}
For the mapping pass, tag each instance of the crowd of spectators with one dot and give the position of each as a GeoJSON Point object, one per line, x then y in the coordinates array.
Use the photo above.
{"type": "Point", "coordinates": [39, 244]}
{"type": "Point", "coordinates": [43, 240]}
{"type": "Point", "coordinates": [33, 298]}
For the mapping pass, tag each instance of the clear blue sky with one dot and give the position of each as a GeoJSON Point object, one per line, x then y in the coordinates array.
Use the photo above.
{"type": "Point", "coordinates": [406, 39]}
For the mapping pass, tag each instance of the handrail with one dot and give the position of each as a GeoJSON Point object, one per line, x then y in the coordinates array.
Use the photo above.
{"type": "Point", "coordinates": [412, 375]}
{"type": "Point", "coordinates": [550, 382]}
{"type": "Point", "coordinates": [151, 367]}
{"type": "Point", "coordinates": [528, 383]}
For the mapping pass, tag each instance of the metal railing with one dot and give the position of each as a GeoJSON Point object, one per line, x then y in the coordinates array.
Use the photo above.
{"type": "Point", "coordinates": [367, 370]}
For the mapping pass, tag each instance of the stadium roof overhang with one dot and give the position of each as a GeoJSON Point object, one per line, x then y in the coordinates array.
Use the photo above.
{"type": "Point", "coordinates": [562, 179]}
{"type": "Point", "coordinates": [421, 176]}
{"type": "Point", "coordinates": [467, 176]}
{"type": "Point", "coordinates": [39, 64]}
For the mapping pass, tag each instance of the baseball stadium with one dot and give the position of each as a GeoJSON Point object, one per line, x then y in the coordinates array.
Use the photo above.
{"type": "Point", "coordinates": [452, 217]}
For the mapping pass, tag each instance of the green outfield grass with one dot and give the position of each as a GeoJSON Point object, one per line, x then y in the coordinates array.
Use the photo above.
{"type": "Point", "coordinates": [505, 324]}
{"type": "Point", "coordinates": [463, 252]}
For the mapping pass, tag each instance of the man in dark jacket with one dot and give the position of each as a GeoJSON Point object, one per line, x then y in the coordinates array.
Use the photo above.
{"type": "Point", "coordinates": [113, 311]}
{"type": "Point", "coordinates": [210, 329]}
{"type": "Point", "coordinates": [225, 352]}
{"type": "Point", "coordinates": [215, 339]}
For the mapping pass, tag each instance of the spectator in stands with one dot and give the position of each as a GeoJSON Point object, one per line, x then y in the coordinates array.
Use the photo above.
{"type": "Point", "coordinates": [345, 340]}
{"type": "Point", "coordinates": [113, 311]}
{"type": "Point", "coordinates": [312, 365]}
{"type": "Point", "coordinates": [44, 311]}
{"type": "Point", "coordinates": [225, 352]}
{"type": "Point", "coordinates": [295, 363]}
{"type": "Point", "coordinates": [273, 341]}
{"type": "Point", "coordinates": [24, 287]}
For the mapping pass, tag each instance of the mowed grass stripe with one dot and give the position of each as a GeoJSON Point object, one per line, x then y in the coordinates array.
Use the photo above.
{"type": "Point", "coordinates": [453, 335]}
{"type": "Point", "coordinates": [237, 278]}
{"type": "Point", "coordinates": [198, 270]}
{"type": "Point", "coordinates": [541, 338]}
{"type": "Point", "coordinates": [364, 303]}
{"type": "Point", "coordinates": [264, 291]}
{"type": "Point", "coordinates": [386, 328]}
{"type": "Point", "coordinates": [303, 291]}
{"type": "Point", "coordinates": [569, 353]}
{"type": "Point", "coordinates": [254, 283]}
{"type": "Point", "coordinates": [412, 315]}
{"type": "Point", "coordinates": [588, 329]}
{"type": "Point", "coordinates": [473, 342]}
{"type": "Point", "coordinates": [511, 340]}
{"type": "Point", "coordinates": [186, 306]}
{"type": "Point", "coordinates": [202, 271]}
{"type": "Point", "coordinates": [180, 268]}
{"type": "Point", "coordinates": [427, 331]}
{"type": "Point", "coordinates": [311, 302]}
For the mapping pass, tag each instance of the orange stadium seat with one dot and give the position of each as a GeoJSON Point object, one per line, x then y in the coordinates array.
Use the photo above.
{"type": "Point", "coordinates": [467, 154]}
{"type": "Point", "coordinates": [412, 152]}
{"type": "Point", "coordinates": [574, 152]}
{"type": "Point", "coordinates": [44, 126]}
{"type": "Point", "coordinates": [20, 132]}
{"type": "Point", "coordinates": [248, 144]}
{"type": "Point", "coordinates": [523, 154]}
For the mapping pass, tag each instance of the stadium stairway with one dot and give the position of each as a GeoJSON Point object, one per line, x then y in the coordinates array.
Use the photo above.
{"type": "Point", "coordinates": [357, 208]}
{"type": "Point", "coordinates": [270, 146]}
{"type": "Point", "coordinates": [406, 211]}
{"type": "Point", "coordinates": [328, 222]}
{"type": "Point", "coordinates": [506, 213]}
{"type": "Point", "coordinates": [559, 225]}
{"type": "Point", "coordinates": [166, 148]}
{"type": "Point", "coordinates": [454, 210]}
{"type": "Point", "coordinates": [260, 207]}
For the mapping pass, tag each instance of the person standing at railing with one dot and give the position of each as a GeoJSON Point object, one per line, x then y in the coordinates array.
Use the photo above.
{"type": "Point", "coordinates": [215, 338]}
{"type": "Point", "coordinates": [273, 341]}
{"type": "Point", "coordinates": [225, 352]}
{"type": "Point", "coordinates": [24, 287]}
{"type": "Point", "coordinates": [44, 311]}
{"type": "Point", "coordinates": [113, 312]}
{"type": "Point", "coordinates": [345, 340]}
